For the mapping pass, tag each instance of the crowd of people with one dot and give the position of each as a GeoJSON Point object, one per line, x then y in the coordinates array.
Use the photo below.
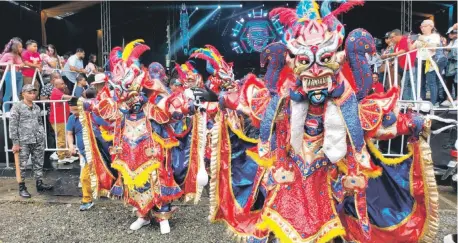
{"type": "Point", "coordinates": [45, 60]}
{"type": "Point", "coordinates": [443, 54]}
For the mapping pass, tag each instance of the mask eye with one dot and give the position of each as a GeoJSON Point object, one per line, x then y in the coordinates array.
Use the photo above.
{"type": "Point", "coordinates": [326, 58]}
{"type": "Point", "coordinates": [303, 60]}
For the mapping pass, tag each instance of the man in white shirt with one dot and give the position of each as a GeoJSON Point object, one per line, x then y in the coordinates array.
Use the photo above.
{"type": "Point", "coordinates": [72, 68]}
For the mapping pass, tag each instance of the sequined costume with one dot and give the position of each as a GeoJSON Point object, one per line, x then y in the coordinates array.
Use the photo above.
{"type": "Point", "coordinates": [141, 107]}
{"type": "Point", "coordinates": [314, 174]}
{"type": "Point", "coordinates": [187, 158]}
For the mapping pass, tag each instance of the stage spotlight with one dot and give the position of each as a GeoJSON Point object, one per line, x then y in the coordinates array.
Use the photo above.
{"type": "Point", "coordinates": [287, 4]}
{"type": "Point", "coordinates": [219, 6]}
{"type": "Point", "coordinates": [197, 8]}
{"type": "Point", "coordinates": [242, 20]}
{"type": "Point", "coordinates": [241, 5]}
{"type": "Point", "coordinates": [263, 4]}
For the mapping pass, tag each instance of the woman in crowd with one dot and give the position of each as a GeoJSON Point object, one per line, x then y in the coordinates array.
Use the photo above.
{"type": "Point", "coordinates": [12, 55]}
{"type": "Point", "coordinates": [429, 39]}
{"type": "Point", "coordinates": [92, 68]}
{"type": "Point", "coordinates": [51, 62]}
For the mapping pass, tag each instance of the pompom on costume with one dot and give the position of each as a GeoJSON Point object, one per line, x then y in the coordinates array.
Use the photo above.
{"type": "Point", "coordinates": [313, 173]}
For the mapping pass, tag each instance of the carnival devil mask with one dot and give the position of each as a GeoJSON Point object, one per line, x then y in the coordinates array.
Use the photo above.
{"type": "Point", "coordinates": [126, 75]}
{"type": "Point", "coordinates": [221, 71]}
{"type": "Point", "coordinates": [313, 44]}
{"type": "Point", "coordinates": [188, 76]}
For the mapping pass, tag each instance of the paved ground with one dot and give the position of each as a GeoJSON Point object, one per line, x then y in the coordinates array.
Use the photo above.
{"type": "Point", "coordinates": [49, 218]}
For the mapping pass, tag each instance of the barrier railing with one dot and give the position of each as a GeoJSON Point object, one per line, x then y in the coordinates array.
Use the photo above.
{"type": "Point", "coordinates": [10, 67]}
{"type": "Point", "coordinates": [415, 75]}
{"type": "Point", "coordinates": [37, 73]}
{"type": "Point", "coordinates": [44, 115]}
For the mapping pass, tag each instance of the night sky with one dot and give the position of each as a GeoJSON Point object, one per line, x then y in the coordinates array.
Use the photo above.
{"type": "Point", "coordinates": [147, 20]}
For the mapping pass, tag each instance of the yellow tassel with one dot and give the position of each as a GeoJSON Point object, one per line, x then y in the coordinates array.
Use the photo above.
{"type": "Point", "coordinates": [242, 136]}
{"type": "Point", "coordinates": [269, 224]}
{"type": "Point", "coordinates": [385, 160]}
{"type": "Point", "coordinates": [106, 135]}
{"type": "Point", "coordinates": [129, 47]}
{"type": "Point", "coordinates": [141, 179]}
{"type": "Point", "coordinates": [369, 173]}
{"type": "Point", "coordinates": [163, 143]}
{"type": "Point", "coordinates": [266, 163]}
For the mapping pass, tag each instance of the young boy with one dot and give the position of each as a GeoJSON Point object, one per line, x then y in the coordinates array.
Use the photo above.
{"type": "Point", "coordinates": [74, 127]}
{"type": "Point", "coordinates": [81, 84]}
{"type": "Point", "coordinates": [32, 60]}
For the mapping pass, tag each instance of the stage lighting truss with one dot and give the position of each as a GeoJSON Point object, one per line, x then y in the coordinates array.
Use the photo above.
{"type": "Point", "coordinates": [255, 31]}
{"type": "Point", "coordinates": [184, 29]}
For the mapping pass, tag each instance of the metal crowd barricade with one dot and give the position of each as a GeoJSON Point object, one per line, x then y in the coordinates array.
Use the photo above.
{"type": "Point", "coordinates": [43, 103]}
{"type": "Point", "coordinates": [416, 88]}
{"type": "Point", "coordinates": [10, 67]}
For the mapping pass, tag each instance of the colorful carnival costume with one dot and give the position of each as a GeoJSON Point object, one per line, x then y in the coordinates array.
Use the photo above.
{"type": "Point", "coordinates": [314, 173]}
{"type": "Point", "coordinates": [190, 132]}
{"type": "Point", "coordinates": [140, 150]}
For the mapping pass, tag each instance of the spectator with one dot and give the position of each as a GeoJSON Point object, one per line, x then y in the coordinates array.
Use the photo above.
{"type": "Point", "coordinates": [32, 60]}
{"type": "Point", "coordinates": [99, 82]}
{"type": "Point", "coordinates": [58, 117]}
{"type": "Point", "coordinates": [47, 89]}
{"type": "Point", "coordinates": [27, 133]}
{"type": "Point", "coordinates": [45, 94]}
{"type": "Point", "coordinates": [388, 50]}
{"type": "Point", "coordinates": [65, 58]}
{"type": "Point", "coordinates": [91, 67]}
{"type": "Point", "coordinates": [80, 86]}
{"type": "Point", "coordinates": [74, 66]}
{"type": "Point", "coordinates": [51, 61]}
{"type": "Point", "coordinates": [428, 38]}
{"type": "Point", "coordinates": [451, 75]}
{"type": "Point", "coordinates": [74, 128]}
{"type": "Point", "coordinates": [401, 47]}
{"type": "Point", "coordinates": [377, 87]}
{"type": "Point", "coordinates": [12, 55]}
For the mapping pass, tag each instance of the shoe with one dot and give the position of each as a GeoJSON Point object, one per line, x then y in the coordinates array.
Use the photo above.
{"type": "Point", "coordinates": [54, 156]}
{"type": "Point", "coordinates": [80, 185]}
{"type": "Point", "coordinates": [446, 103]}
{"type": "Point", "coordinates": [86, 206]}
{"type": "Point", "coordinates": [64, 161]}
{"type": "Point", "coordinates": [72, 158]}
{"type": "Point", "coordinates": [43, 187]}
{"type": "Point", "coordinates": [140, 222]}
{"type": "Point", "coordinates": [23, 191]}
{"type": "Point", "coordinates": [165, 227]}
